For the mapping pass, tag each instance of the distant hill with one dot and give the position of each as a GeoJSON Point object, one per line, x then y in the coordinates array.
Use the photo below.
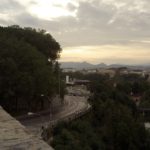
{"type": "Point", "coordinates": [81, 65]}
{"type": "Point", "coordinates": [86, 65]}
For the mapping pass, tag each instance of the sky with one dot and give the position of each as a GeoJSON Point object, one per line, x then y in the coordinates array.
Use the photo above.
{"type": "Point", "coordinates": [109, 31]}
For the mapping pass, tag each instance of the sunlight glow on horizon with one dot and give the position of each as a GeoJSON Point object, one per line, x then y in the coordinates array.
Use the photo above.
{"type": "Point", "coordinates": [107, 54]}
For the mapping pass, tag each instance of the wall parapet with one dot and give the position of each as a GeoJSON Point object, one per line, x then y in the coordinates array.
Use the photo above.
{"type": "Point", "coordinates": [13, 135]}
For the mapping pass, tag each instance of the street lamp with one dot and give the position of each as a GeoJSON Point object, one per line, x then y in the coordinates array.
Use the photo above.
{"type": "Point", "coordinates": [59, 82]}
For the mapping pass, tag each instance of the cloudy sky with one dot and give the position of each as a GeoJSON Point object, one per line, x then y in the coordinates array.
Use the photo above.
{"type": "Point", "coordinates": [109, 31]}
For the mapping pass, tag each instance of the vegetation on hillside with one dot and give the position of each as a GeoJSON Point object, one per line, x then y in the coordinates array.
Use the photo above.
{"type": "Point", "coordinates": [114, 122]}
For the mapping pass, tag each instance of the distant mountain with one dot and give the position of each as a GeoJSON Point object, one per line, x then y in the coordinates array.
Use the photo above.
{"type": "Point", "coordinates": [86, 65]}
{"type": "Point", "coordinates": [117, 66]}
{"type": "Point", "coordinates": [76, 65]}
{"type": "Point", "coordinates": [81, 65]}
{"type": "Point", "coordinates": [101, 65]}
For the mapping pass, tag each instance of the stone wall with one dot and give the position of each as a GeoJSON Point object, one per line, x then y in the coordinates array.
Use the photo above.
{"type": "Point", "coordinates": [14, 136]}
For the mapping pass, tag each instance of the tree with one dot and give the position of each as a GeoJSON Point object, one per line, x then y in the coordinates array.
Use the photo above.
{"type": "Point", "coordinates": [40, 39]}
{"type": "Point", "coordinates": [25, 72]}
{"type": "Point", "coordinates": [113, 123]}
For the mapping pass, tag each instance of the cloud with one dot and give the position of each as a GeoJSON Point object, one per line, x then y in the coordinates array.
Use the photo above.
{"type": "Point", "coordinates": [94, 23]}
{"type": "Point", "coordinates": [9, 5]}
{"type": "Point", "coordinates": [106, 23]}
{"type": "Point", "coordinates": [7, 10]}
{"type": "Point", "coordinates": [71, 7]}
{"type": "Point", "coordinates": [102, 21]}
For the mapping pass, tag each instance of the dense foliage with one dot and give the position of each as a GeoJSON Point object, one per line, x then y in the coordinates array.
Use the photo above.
{"type": "Point", "coordinates": [28, 68]}
{"type": "Point", "coordinates": [114, 122]}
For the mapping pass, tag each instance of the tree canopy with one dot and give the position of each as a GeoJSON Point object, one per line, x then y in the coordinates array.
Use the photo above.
{"type": "Point", "coordinates": [113, 124]}
{"type": "Point", "coordinates": [39, 39]}
{"type": "Point", "coordinates": [27, 60]}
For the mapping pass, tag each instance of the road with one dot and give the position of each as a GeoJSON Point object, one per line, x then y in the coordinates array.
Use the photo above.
{"type": "Point", "coordinates": [73, 105]}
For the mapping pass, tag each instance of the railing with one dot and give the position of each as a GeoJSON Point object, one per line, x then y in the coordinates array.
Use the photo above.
{"type": "Point", "coordinates": [70, 117]}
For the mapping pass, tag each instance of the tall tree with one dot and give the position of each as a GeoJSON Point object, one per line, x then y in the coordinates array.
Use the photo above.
{"type": "Point", "coordinates": [26, 75]}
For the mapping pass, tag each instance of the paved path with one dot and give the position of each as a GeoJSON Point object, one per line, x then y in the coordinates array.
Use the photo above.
{"type": "Point", "coordinates": [74, 104]}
